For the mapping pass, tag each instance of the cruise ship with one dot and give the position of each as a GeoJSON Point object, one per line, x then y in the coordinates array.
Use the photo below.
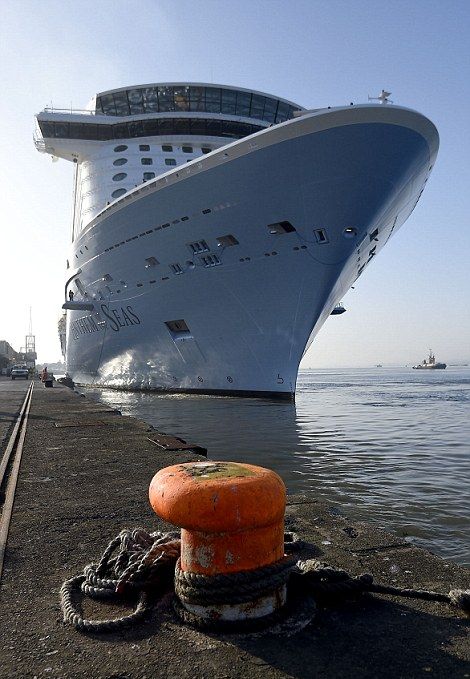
{"type": "Point", "coordinates": [216, 228]}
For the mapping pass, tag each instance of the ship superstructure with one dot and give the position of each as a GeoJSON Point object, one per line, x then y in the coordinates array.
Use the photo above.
{"type": "Point", "coordinates": [216, 228]}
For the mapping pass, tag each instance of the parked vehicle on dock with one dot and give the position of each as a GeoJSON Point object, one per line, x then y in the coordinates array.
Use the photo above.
{"type": "Point", "coordinates": [19, 371]}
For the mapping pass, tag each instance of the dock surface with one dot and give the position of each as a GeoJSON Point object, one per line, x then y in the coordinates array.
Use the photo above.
{"type": "Point", "coordinates": [84, 476]}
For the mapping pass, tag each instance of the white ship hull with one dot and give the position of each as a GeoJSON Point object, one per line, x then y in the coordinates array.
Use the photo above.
{"type": "Point", "coordinates": [355, 173]}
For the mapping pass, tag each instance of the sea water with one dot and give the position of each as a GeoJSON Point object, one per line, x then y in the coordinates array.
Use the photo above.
{"type": "Point", "coordinates": [389, 446]}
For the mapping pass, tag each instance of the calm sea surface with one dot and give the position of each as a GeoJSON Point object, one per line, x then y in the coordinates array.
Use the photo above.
{"type": "Point", "coordinates": [390, 446]}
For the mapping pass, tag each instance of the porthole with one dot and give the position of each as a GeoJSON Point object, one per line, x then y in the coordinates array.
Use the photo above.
{"type": "Point", "coordinates": [187, 149]}
{"type": "Point", "coordinates": [167, 148]}
{"type": "Point", "coordinates": [170, 161]}
{"type": "Point", "coordinates": [205, 149]}
{"type": "Point", "coordinates": [120, 161]}
{"type": "Point", "coordinates": [144, 147]}
{"type": "Point", "coordinates": [146, 161]}
{"type": "Point", "coordinates": [119, 177]}
{"type": "Point", "coordinates": [118, 192]}
{"type": "Point", "coordinates": [350, 232]}
{"type": "Point", "coordinates": [120, 148]}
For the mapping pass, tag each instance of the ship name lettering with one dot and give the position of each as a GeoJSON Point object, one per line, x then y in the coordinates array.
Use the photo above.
{"type": "Point", "coordinates": [120, 319]}
{"type": "Point", "coordinates": [84, 326]}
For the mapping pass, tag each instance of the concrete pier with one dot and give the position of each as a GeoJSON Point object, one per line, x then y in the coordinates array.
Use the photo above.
{"type": "Point", "coordinates": [84, 476]}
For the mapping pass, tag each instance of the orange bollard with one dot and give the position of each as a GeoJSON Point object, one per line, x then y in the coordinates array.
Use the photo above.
{"type": "Point", "coordinates": [232, 520]}
{"type": "Point", "coordinates": [231, 514]}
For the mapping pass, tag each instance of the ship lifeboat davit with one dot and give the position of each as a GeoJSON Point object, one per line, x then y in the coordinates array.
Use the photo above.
{"type": "Point", "coordinates": [339, 309]}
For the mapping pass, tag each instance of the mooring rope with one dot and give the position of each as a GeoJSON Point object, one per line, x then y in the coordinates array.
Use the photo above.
{"type": "Point", "coordinates": [136, 562]}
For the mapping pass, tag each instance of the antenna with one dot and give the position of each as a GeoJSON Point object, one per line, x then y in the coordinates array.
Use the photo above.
{"type": "Point", "coordinates": [383, 97]}
{"type": "Point", "coordinates": [30, 343]}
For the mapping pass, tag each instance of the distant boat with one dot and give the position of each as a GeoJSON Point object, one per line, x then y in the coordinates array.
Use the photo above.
{"type": "Point", "coordinates": [379, 365]}
{"type": "Point", "coordinates": [430, 364]}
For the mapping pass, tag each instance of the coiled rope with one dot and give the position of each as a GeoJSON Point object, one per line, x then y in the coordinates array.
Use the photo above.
{"type": "Point", "coordinates": [136, 562]}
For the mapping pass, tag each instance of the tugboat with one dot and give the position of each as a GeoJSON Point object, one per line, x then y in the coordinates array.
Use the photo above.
{"type": "Point", "coordinates": [430, 364]}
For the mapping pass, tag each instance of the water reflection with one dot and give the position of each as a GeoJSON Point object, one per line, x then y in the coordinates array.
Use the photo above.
{"type": "Point", "coordinates": [388, 446]}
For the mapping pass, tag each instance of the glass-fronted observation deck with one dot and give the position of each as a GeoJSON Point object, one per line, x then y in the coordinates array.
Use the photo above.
{"type": "Point", "coordinates": [168, 109]}
{"type": "Point", "coordinates": [185, 98]}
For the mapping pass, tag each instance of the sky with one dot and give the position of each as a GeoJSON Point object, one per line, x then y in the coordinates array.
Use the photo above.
{"type": "Point", "coordinates": [414, 296]}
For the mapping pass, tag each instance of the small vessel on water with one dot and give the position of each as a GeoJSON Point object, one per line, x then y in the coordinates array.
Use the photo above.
{"type": "Point", "coordinates": [430, 363]}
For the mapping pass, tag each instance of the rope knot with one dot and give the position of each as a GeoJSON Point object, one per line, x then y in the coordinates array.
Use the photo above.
{"type": "Point", "coordinates": [461, 599]}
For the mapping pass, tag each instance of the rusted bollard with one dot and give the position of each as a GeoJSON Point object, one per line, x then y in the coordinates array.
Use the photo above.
{"type": "Point", "coordinates": [232, 521]}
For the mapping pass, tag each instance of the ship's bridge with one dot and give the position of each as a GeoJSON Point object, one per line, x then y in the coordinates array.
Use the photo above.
{"type": "Point", "coordinates": [133, 134]}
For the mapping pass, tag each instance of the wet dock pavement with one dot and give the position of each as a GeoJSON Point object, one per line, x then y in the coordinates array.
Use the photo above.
{"type": "Point", "coordinates": [84, 476]}
{"type": "Point", "coordinates": [12, 393]}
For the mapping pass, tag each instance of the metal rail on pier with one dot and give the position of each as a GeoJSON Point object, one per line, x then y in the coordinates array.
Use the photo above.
{"type": "Point", "coordinates": [9, 473]}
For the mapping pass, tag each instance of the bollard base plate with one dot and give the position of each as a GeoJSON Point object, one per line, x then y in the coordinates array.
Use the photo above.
{"type": "Point", "coordinates": [249, 610]}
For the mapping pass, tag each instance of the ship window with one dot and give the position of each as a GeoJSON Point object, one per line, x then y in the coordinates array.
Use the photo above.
{"type": "Point", "coordinates": [229, 98]}
{"type": "Point", "coordinates": [350, 232]}
{"type": "Point", "coordinates": [177, 326]}
{"type": "Point", "coordinates": [374, 235]}
{"type": "Point", "coordinates": [136, 129]}
{"type": "Point", "coordinates": [320, 235]}
{"type": "Point", "coordinates": [118, 192]}
{"type": "Point", "coordinates": [119, 177]}
{"type": "Point", "coordinates": [176, 268]}
{"type": "Point", "coordinates": [107, 104]}
{"type": "Point", "coordinates": [167, 148]}
{"type": "Point", "coordinates": [213, 99]}
{"type": "Point", "coordinates": [281, 227]}
{"type": "Point", "coordinates": [150, 97]}
{"type": "Point", "coordinates": [206, 149]}
{"type": "Point", "coordinates": [120, 161]}
{"type": "Point", "coordinates": [121, 103]}
{"type": "Point", "coordinates": [120, 148]}
{"type": "Point", "coordinates": [243, 103]}
{"type": "Point", "coordinates": [146, 161]}
{"type": "Point", "coordinates": [170, 161]}
{"type": "Point", "coordinates": [270, 109]}
{"type": "Point", "coordinates": [61, 130]}
{"type": "Point", "coordinates": [198, 246]}
{"type": "Point", "coordinates": [144, 147]}
{"type": "Point", "coordinates": [187, 149]}
{"type": "Point", "coordinates": [226, 241]}
{"type": "Point", "coordinates": [210, 260]}
{"type": "Point", "coordinates": [257, 106]}
{"type": "Point", "coordinates": [150, 261]}
{"type": "Point", "coordinates": [181, 97]}
{"type": "Point", "coordinates": [165, 98]}
{"type": "Point", "coordinates": [148, 175]}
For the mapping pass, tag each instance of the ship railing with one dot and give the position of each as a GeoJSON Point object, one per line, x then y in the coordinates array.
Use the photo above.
{"type": "Point", "coordinates": [75, 111]}
{"type": "Point", "coordinates": [39, 142]}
